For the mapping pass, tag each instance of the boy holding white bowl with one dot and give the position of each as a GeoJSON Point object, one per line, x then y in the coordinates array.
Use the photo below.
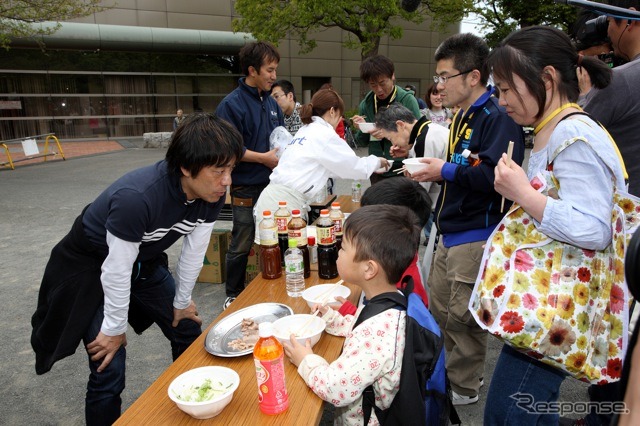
{"type": "Point", "coordinates": [378, 245]}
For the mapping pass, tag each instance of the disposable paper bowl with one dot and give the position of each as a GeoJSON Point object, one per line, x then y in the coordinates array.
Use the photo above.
{"type": "Point", "coordinates": [197, 376]}
{"type": "Point", "coordinates": [283, 327]}
{"type": "Point", "coordinates": [367, 127]}
{"type": "Point", "coordinates": [413, 164]}
{"type": "Point", "coordinates": [314, 294]}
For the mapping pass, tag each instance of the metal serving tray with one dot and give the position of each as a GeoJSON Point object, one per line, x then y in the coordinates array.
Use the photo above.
{"type": "Point", "coordinates": [229, 328]}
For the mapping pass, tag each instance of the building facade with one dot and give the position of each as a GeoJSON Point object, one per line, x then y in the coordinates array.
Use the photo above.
{"type": "Point", "coordinates": [125, 71]}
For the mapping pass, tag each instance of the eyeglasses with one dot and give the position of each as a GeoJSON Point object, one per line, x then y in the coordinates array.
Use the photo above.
{"type": "Point", "coordinates": [276, 96]}
{"type": "Point", "coordinates": [441, 79]}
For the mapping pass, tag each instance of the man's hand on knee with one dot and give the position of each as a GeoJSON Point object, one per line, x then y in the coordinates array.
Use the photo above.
{"type": "Point", "coordinates": [105, 347]}
{"type": "Point", "coordinates": [190, 312]}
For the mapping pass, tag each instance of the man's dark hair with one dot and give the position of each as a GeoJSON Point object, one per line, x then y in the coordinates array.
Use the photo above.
{"type": "Point", "coordinates": [256, 54]}
{"type": "Point", "coordinates": [625, 4]}
{"type": "Point", "coordinates": [375, 67]}
{"type": "Point", "coordinates": [286, 86]}
{"type": "Point", "coordinates": [203, 140]}
{"type": "Point", "coordinates": [400, 191]}
{"type": "Point", "coordinates": [467, 51]}
{"type": "Point", "coordinates": [388, 235]}
{"type": "Point", "coordinates": [387, 117]}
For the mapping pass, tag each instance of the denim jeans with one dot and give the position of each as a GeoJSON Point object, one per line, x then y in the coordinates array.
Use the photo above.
{"type": "Point", "coordinates": [152, 293]}
{"type": "Point", "coordinates": [519, 388]}
{"type": "Point", "coordinates": [242, 236]}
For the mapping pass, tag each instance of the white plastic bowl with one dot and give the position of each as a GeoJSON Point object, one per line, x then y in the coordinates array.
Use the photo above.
{"type": "Point", "coordinates": [197, 376]}
{"type": "Point", "coordinates": [314, 294]}
{"type": "Point", "coordinates": [283, 327]}
{"type": "Point", "coordinates": [367, 127]}
{"type": "Point", "coordinates": [413, 164]}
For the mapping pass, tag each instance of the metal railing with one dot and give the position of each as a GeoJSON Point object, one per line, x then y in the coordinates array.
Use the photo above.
{"type": "Point", "coordinates": [45, 154]}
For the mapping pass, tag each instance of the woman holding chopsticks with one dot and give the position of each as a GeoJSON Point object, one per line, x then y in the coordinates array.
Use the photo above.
{"type": "Point", "coordinates": [535, 72]}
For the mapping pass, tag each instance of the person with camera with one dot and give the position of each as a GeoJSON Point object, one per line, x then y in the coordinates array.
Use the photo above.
{"type": "Point", "coordinates": [617, 106]}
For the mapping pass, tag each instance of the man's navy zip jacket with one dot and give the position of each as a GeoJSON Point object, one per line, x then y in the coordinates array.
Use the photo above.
{"type": "Point", "coordinates": [255, 117]}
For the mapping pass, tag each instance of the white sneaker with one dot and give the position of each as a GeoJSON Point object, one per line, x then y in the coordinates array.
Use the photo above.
{"type": "Point", "coordinates": [458, 399]}
{"type": "Point", "coordinates": [227, 302]}
{"type": "Point", "coordinates": [481, 381]}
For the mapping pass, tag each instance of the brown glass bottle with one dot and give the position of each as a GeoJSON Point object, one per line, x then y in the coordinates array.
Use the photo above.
{"type": "Point", "coordinates": [269, 249]}
{"type": "Point", "coordinates": [297, 229]}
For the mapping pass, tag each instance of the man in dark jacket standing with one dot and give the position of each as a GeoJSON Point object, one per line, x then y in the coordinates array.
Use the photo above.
{"type": "Point", "coordinates": [255, 114]}
{"type": "Point", "coordinates": [468, 207]}
{"type": "Point", "coordinates": [111, 270]}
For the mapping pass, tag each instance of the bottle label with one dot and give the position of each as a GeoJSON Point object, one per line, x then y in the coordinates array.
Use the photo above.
{"type": "Point", "coordinates": [325, 235]}
{"type": "Point", "coordinates": [282, 223]}
{"type": "Point", "coordinates": [268, 237]}
{"type": "Point", "coordinates": [272, 390]}
{"type": "Point", "coordinates": [337, 226]}
{"type": "Point", "coordinates": [300, 235]}
{"type": "Point", "coordinates": [294, 264]}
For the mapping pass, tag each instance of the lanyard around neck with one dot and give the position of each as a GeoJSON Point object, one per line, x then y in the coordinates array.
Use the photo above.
{"type": "Point", "coordinates": [454, 136]}
{"type": "Point", "coordinates": [551, 116]}
{"type": "Point", "coordinates": [391, 99]}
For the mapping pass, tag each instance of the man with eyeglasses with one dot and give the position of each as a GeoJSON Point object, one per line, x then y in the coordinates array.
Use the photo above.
{"type": "Point", "coordinates": [379, 73]}
{"type": "Point", "coordinates": [468, 207]}
{"type": "Point", "coordinates": [282, 91]}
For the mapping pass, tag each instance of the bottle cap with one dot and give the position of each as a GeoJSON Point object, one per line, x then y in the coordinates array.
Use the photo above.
{"type": "Point", "coordinates": [266, 213]}
{"type": "Point", "coordinates": [265, 329]}
{"type": "Point", "coordinates": [311, 241]}
{"type": "Point", "coordinates": [293, 242]}
{"type": "Point", "coordinates": [295, 211]}
{"type": "Point", "coordinates": [282, 203]}
{"type": "Point", "coordinates": [335, 205]}
{"type": "Point", "coordinates": [324, 212]}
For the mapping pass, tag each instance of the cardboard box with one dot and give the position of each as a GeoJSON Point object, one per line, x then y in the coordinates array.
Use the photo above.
{"type": "Point", "coordinates": [214, 265]}
{"type": "Point", "coordinates": [213, 268]}
{"type": "Point", "coordinates": [253, 264]}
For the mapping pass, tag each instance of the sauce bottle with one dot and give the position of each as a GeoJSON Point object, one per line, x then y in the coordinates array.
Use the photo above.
{"type": "Point", "coordinates": [337, 217]}
{"type": "Point", "coordinates": [282, 216]}
{"type": "Point", "coordinates": [327, 252]}
{"type": "Point", "coordinates": [268, 357]}
{"type": "Point", "coordinates": [269, 250]}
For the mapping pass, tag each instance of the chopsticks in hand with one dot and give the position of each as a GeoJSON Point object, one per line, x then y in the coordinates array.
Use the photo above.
{"type": "Point", "coordinates": [324, 300]}
{"type": "Point", "coordinates": [509, 155]}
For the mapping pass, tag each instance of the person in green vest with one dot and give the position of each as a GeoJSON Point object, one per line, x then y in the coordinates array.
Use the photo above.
{"type": "Point", "coordinates": [379, 73]}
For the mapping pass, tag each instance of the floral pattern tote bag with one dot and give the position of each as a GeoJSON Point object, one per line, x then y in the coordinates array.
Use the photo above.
{"type": "Point", "coordinates": [563, 305]}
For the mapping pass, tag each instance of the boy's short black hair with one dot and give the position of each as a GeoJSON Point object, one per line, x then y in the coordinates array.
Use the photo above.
{"type": "Point", "coordinates": [385, 234]}
{"type": "Point", "coordinates": [400, 191]}
{"type": "Point", "coordinates": [203, 140]}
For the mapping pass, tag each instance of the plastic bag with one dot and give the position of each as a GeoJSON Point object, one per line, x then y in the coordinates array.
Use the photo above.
{"type": "Point", "coordinates": [279, 138]}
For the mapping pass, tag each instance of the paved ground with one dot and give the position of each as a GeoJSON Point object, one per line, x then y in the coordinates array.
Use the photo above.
{"type": "Point", "coordinates": [38, 203]}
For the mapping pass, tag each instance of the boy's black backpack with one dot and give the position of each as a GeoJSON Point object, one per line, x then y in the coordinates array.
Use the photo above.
{"type": "Point", "coordinates": [424, 387]}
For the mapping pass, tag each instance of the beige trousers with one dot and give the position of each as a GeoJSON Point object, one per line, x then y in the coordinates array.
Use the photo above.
{"type": "Point", "coordinates": [451, 281]}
